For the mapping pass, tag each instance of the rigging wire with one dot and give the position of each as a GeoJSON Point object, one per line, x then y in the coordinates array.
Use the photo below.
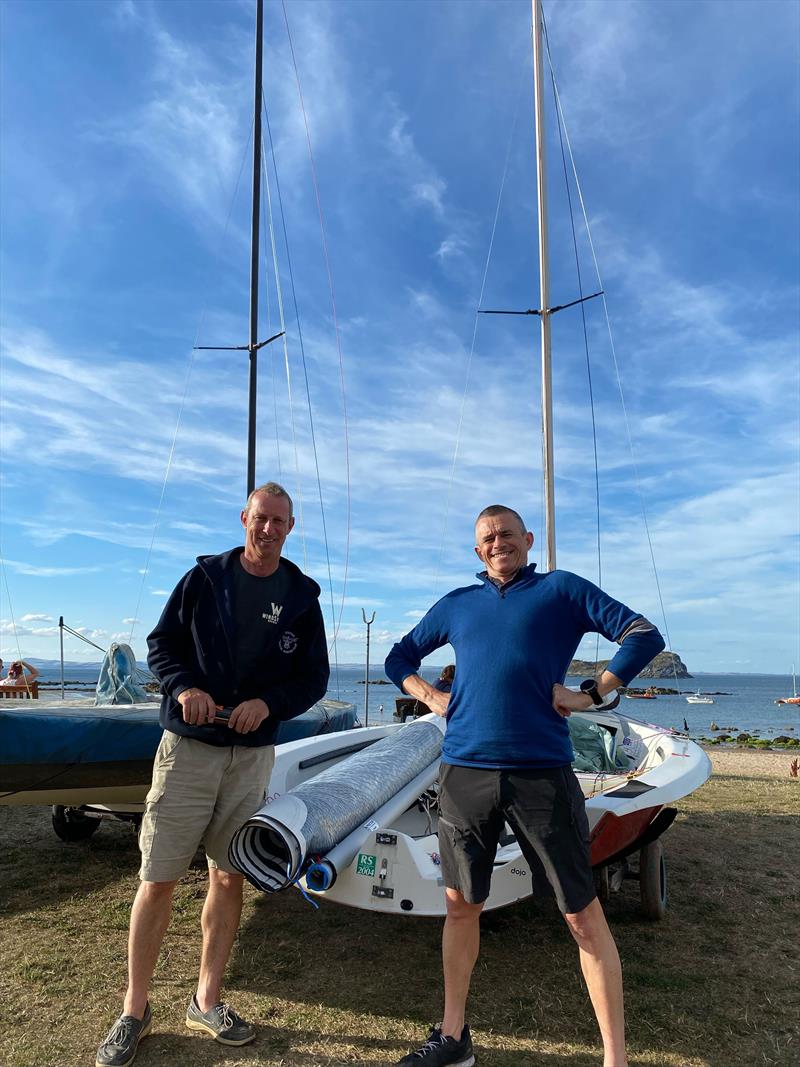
{"type": "Point", "coordinates": [182, 405]}
{"type": "Point", "coordinates": [307, 391]}
{"type": "Point", "coordinates": [626, 419]}
{"type": "Point", "coordinates": [272, 358]}
{"type": "Point", "coordinates": [335, 322]}
{"type": "Point", "coordinates": [287, 365]}
{"type": "Point", "coordinates": [585, 332]}
{"type": "Point", "coordinates": [448, 498]}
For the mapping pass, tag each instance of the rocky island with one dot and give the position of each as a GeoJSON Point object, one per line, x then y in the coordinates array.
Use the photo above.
{"type": "Point", "coordinates": [665, 665]}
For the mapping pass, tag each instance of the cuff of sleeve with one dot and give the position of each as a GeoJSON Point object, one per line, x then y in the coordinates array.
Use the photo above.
{"type": "Point", "coordinates": [180, 686]}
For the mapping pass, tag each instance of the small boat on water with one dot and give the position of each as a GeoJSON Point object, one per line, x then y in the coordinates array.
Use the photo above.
{"type": "Point", "coordinates": [795, 698]}
{"type": "Point", "coordinates": [699, 698]}
{"type": "Point", "coordinates": [646, 695]}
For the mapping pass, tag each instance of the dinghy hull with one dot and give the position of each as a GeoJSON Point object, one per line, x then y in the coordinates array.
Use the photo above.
{"type": "Point", "coordinates": [395, 867]}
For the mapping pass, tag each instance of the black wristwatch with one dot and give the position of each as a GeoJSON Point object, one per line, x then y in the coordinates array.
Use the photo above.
{"type": "Point", "coordinates": [590, 687]}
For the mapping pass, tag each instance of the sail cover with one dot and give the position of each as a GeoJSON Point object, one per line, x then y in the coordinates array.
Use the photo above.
{"type": "Point", "coordinates": [119, 681]}
{"type": "Point", "coordinates": [275, 845]}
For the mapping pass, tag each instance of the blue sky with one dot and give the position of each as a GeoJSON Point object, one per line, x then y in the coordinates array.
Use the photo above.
{"type": "Point", "coordinates": [125, 220]}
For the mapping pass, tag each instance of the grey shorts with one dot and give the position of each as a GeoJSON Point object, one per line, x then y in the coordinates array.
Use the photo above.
{"type": "Point", "coordinates": [545, 809]}
{"type": "Point", "coordinates": [200, 794]}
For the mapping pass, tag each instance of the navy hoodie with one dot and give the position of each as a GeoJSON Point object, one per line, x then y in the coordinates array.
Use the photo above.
{"type": "Point", "coordinates": [192, 647]}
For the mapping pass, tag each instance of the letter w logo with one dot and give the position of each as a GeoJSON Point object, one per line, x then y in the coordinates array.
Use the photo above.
{"type": "Point", "coordinates": [277, 609]}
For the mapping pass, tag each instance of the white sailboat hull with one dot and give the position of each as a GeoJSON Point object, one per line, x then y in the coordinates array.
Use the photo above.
{"type": "Point", "coordinates": [394, 866]}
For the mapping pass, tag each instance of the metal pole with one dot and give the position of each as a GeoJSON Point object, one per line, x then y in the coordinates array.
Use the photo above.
{"type": "Point", "coordinates": [61, 636]}
{"type": "Point", "coordinates": [544, 288]}
{"type": "Point", "coordinates": [366, 676]}
{"type": "Point", "coordinates": [254, 252]}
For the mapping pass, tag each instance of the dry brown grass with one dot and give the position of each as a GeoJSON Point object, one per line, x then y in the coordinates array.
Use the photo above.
{"type": "Point", "coordinates": [713, 985]}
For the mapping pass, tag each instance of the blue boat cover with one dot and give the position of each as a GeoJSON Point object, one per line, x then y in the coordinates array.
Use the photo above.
{"type": "Point", "coordinates": [54, 734]}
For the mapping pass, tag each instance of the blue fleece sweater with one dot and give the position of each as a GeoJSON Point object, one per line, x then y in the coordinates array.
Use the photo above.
{"type": "Point", "coordinates": [512, 645]}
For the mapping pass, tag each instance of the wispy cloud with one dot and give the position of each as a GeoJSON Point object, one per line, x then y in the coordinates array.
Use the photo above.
{"type": "Point", "coordinates": [34, 571]}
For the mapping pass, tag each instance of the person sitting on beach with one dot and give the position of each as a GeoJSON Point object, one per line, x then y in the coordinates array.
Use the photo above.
{"type": "Point", "coordinates": [17, 673]}
{"type": "Point", "coordinates": [444, 683]}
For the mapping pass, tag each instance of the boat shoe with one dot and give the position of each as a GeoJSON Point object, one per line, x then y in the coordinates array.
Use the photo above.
{"type": "Point", "coordinates": [119, 1048]}
{"type": "Point", "coordinates": [221, 1022]}
{"type": "Point", "coordinates": [441, 1051]}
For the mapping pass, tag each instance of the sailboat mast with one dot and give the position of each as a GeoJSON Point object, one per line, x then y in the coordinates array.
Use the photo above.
{"type": "Point", "coordinates": [544, 288]}
{"type": "Point", "coordinates": [254, 252]}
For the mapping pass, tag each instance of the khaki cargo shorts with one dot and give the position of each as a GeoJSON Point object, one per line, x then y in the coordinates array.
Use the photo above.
{"type": "Point", "coordinates": [200, 794]}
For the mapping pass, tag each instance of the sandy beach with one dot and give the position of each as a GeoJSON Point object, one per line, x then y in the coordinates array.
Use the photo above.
{"type": "Point", "coordinates": [751, 763]}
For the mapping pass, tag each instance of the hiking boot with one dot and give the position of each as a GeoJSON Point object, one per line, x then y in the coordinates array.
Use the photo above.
{"type": "Point", "coordinates": [119, 1048]}
{"type": "Point", "coordinates": [221, 1022]}
{"type": "Point", "coordinates": [441, 1051]}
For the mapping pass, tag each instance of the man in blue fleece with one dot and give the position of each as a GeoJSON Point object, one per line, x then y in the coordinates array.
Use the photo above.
{"type": "Point", "coordinates": [242, 631]}
{"type": "Point", "coordinates": [506, 758]}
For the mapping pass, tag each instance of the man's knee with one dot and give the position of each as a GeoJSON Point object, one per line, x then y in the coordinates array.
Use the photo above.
{"type": "Point", "coordinates": [156, 891]}
{"type": "Point", "coordinates": [225, 881]}
{"type": "Point", "coordinates": [459, 909]}
{"type": "Point", "coordinates": [589, 926]}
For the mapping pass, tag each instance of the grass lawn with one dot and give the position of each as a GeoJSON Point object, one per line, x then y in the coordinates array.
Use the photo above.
{"type": "Point", "coordinates": [715, 984]}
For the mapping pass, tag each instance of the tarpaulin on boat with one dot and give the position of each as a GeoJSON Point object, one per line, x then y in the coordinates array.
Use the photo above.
{"type": "Point", "coordinates": [275, 845]}
{"type": "Point", "coordinates": [54, 734]}
{"type": "Point", "coordinates": [120, 678]}
{"type": "Point", "coordinates": [595, 747]}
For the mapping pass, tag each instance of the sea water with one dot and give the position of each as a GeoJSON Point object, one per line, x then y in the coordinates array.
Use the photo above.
{"type": "Point", "coordinates": [741, 701]}
{"type": "Point", "coordinates": [745, 701]}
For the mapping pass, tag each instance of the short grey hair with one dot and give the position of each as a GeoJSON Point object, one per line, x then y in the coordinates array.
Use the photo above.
{"type": "Point", "coordinates": [501, 509]}
{"type": "Point", "coordinates": [269, 489]}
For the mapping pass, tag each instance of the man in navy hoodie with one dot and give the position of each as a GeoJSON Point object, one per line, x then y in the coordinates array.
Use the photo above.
{"type": "Point", "coordinates": [507, 757]}
{"type": "Point", "coordinates": [242, 634]}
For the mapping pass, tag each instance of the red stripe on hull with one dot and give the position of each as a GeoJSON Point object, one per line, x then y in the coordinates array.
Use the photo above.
{"type": "Point", "coordinates": [614, 834]}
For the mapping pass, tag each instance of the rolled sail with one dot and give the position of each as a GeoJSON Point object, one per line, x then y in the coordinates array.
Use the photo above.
{"type": "Point", "coordinates": [278, 842]}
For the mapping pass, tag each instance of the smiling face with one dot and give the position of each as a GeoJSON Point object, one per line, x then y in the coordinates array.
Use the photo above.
{"type": "Point", "coordinates": [503, 544]}
{"type": "Point", "coordinates": [267, 523]}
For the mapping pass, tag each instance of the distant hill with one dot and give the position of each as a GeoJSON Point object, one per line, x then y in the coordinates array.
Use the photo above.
{"type": "Point", "coordinates": [665, 665]}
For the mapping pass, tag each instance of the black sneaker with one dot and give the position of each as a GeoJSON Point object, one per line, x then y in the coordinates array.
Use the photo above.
{"type": "Point", "coordinates": [221, 1022]}
{"type": "Point", "coordinates": [119, 1048]}
{"type": "Point", "coordinates": [441, 1051]}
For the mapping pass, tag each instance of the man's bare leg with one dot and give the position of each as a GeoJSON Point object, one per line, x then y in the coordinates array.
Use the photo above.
{"type": "Point", "coordinates": [460, 943]}
{"type": "Point", "coordinates": [220, 921]}
{"type": "Point", "coordinates": [150, 915]}
{"type": "Point", "coordinates": [603, 973]}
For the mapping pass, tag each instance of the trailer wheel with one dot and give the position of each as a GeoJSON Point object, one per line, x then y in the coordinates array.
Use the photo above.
{"type": "Point", "coordinates": [653, 881]}
{"type": "Point", "coordinates": [72, 824]}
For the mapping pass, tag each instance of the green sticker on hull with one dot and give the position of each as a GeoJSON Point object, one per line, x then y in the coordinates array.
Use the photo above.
{"type": "Point", "coordinates": [366, 865]}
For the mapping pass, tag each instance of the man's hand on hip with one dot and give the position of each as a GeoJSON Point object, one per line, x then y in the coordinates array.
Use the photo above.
{"type": "Point", "coordinates": [565, 701]}
{"type": "Point", "coordinates": [248, 716]}
{"type": "Point", "coordinates": [198, 707]}
{"type": "Point", "coordinates": [438, 702]}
